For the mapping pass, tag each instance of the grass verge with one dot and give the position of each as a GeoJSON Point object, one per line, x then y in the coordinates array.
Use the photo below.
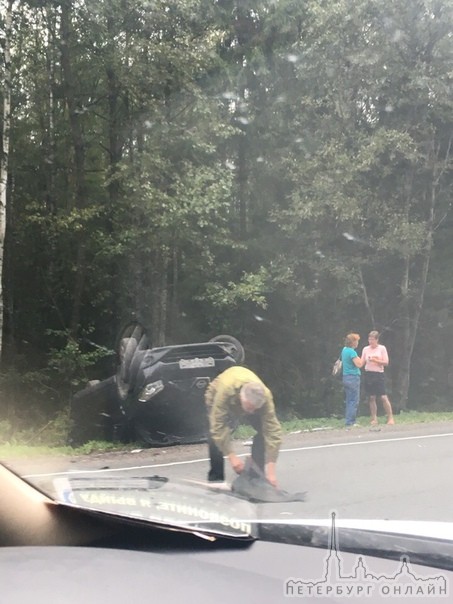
{"type": "Point", "coordinates": [17, 449]}
{"type": "Point", "coordinates": [332, 423]}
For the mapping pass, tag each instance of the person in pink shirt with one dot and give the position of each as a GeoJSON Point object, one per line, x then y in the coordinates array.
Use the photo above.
{"type": "Point", "coordinates": [375, 358]}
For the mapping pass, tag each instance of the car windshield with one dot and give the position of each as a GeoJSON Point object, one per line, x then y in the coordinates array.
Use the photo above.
{"type": "Point", "coordinates": [226, 257]}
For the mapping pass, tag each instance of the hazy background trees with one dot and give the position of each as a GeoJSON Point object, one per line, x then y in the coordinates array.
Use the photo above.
{"type": "Point", "coordinates": [277, 170]}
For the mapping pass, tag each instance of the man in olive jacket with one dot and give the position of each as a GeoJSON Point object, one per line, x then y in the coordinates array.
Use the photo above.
{"type": "Point", "coordinates": [238, 396]}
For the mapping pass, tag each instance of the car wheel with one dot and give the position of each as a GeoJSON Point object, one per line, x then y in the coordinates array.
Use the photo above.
{"type": "Point", "coordinates": [131, 347]}
{"type": "Point", "coordinates": [232, 346]}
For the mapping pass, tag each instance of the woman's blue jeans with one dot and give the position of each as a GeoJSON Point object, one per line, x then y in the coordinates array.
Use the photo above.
{"type": "Point", "coordinates": [351, 384]}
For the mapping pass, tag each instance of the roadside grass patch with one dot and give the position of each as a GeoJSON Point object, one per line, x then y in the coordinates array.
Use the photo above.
{"type": "Point", "coordinates": [10, 450]}
{"type": "Point", "coordinates": [15, 448]}
{"type": "Point", "coordinates": [332, 423]}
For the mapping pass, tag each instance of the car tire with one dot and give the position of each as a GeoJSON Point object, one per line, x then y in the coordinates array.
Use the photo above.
{"type": "Point", "coordinates": [130, 349]}
{"type": "Point", "coordinates": [232, 347]}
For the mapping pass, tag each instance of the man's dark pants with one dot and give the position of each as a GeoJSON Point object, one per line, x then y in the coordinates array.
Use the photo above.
{"type": "Point", "coordinates": [217, 470]}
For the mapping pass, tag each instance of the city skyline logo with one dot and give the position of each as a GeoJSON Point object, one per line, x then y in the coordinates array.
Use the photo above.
{"type": "Point", "coordinates": [361, 581]}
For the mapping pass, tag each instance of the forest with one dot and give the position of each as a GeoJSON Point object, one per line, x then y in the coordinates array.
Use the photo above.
{"type": "Point", "coordinates": [277, 170]}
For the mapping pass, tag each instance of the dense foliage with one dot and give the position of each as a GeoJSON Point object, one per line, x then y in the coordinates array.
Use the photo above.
{"type": "Point", "coordinates": [280, 170]}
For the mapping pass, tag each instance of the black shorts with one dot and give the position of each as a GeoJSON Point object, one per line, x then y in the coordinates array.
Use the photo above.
{"type": "Point", "coordinates": [374, 383]}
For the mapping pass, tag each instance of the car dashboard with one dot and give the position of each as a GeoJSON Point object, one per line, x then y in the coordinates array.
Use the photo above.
{"type": "Point", "coordinates": [57, 553]}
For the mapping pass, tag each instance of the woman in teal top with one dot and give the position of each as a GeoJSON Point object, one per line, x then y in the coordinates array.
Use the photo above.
{"type": "Point", "coordinates": [351, 377]}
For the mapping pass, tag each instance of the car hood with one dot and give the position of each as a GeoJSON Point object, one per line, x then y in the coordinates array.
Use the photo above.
{"type": "Point", "coordinates": [161, 501]}
{"type": "Point", "coordinates": [214, 513]}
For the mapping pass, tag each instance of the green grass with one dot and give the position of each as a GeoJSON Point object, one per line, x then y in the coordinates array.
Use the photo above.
{"type": "Point", "coordinates": [308, 425]}
{"type": "Point", "coordinates": [18, 449]}
{"type": "Point", "coordinates": [423, 417]}
{"type": "Point", "coordinates": [9, 450]}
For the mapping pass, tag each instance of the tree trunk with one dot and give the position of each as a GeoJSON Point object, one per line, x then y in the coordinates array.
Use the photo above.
{"type": "Point", "coordinates": [115, 138]}
{"type": "Point", "coordinates": [49, 117]}
{"type": "Point", "coordinates": [79, 159]}
{"type": "Point", "coordinates": [5, 153]}
{"type": "Point", "coordinates": [160, 297]}
{"type": "Point", "coordinates": [242, 178]}
{"type": "Point", "coordinates": [413, 305]}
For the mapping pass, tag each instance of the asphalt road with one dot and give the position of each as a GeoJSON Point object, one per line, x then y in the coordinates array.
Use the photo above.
{"type": "Point", "coordinates": [399, 472]}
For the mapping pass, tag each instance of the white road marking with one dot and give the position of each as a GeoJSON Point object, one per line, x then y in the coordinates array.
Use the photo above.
{"type": "Point", "coordinates": [368, 442]}
{"type": "Point", "coordinates": [215, 486]}
{"type": "Point", "coordinates": [189, 461]}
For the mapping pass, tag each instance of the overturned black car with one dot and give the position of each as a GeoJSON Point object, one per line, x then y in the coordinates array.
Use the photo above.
{"type": "Point", "coordinates": [157, 394]}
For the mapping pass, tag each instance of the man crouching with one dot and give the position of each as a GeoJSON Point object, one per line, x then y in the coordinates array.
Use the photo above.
{"type": "Point", "coordinates": [238, 396]}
